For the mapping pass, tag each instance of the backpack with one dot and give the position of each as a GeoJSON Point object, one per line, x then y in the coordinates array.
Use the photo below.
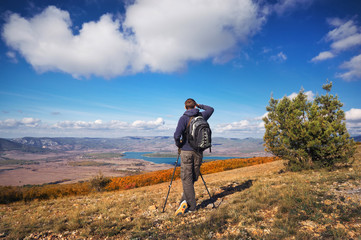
{"type": "Point", "coordinates": [199, 133]}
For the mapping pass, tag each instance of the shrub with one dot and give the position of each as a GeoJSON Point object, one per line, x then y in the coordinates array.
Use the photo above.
{"type": "Point", "coordinates": [99, 182]}
{"type": "Point", "coordinates": [309, 134]}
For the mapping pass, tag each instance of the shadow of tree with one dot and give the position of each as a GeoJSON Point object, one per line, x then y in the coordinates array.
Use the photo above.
{"type": "Point", "coordinates": [227, 190]}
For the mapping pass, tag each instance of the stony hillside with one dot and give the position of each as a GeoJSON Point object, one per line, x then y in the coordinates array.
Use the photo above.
{"type": "Point", "coordinates": [258, 202]}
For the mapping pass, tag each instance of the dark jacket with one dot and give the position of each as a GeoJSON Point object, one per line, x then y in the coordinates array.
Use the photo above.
{"type": "Point", "coordinates": [180, 132]}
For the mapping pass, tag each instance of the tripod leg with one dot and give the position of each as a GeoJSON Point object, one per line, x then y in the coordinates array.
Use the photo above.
{"type": "Point", "coordinates": [214, 206]}
{"type": "Point", "coordinates": [170, 185]}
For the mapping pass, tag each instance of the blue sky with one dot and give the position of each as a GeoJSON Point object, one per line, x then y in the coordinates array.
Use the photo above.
{"type": "Point", "coordinates": [96, 68]}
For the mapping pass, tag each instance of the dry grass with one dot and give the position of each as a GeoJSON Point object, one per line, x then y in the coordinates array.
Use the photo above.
{"type": "Point", "coordinates": [256, 202]}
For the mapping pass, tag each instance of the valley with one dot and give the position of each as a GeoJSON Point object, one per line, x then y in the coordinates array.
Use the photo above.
{"type": "Point", "coordinates": [36, 161]}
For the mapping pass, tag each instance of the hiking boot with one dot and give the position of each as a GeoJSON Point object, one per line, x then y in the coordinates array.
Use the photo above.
{"type": "Point", "coordinates": [182, 207]}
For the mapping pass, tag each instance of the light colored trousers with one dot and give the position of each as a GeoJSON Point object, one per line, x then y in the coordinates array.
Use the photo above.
{"type": "Point", "coordinates": [190, 169]}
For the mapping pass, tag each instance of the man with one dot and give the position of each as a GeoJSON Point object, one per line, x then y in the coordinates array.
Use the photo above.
{"type": "Point", "coordinates": [191, 160]}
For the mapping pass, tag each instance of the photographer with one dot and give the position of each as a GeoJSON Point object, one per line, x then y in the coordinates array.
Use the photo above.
{"type": "Point", "coordinates": [191, 159]}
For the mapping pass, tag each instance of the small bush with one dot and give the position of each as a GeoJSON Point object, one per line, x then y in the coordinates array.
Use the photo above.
{"type": "Point", "coordinates": [99, 182]}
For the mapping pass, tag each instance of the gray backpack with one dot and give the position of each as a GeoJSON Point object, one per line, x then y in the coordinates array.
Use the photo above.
{"type": "Point", "coordinates": [199, 133]}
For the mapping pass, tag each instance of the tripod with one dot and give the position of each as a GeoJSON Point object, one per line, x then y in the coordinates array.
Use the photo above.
{"type": "Point", "coordinates": [214, 206]}
{"type": "Point", "coordinates": [170, 185]}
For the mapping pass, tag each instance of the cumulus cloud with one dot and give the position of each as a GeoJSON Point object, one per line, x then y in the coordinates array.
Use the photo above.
{"type": "Point", "coordinates": [345, 36]}
{"type": "Point", "coordinates": [353, 114]}
{"type": "Point", "coordinates": [25, 122]}
{"type": "Point", "coordinates": [100, 125]}
{"type": "Point", "coordinates": [253, 127]}
{"type": "Point", "coordinates": [235, 126]}
{"type": "Point", "coordinates": [113, 124]}
{"type": "Point", "coordinates": [261, 117]}
{"type": "Point", "coordinates": [310, 95]}
{"type": "Point", "coordinates": [47, 43]}
{"type": "Point", "coordinates": [156, 35]}
{"type": "Point", "coordinates": [148, 124]}
{"type": "Point", "coordinates": [353, 121]}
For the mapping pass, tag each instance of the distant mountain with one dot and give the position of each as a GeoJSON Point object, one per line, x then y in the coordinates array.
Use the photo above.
{"type": "Point", "coordinates": [122, 144]}
{"type": "Point", "coordinates": [6, 145]}
{"type": "Point", "coordinates": [9, 145]}
{"type": "Point", "coordinates": [151, 144]}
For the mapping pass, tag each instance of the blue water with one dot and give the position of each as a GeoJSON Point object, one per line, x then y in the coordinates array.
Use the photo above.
{"type": "Point", "coordinates": [139, 155]}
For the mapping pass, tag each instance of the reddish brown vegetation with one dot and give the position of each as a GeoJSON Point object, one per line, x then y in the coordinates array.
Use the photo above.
{"type": "Point", "coordinates": [165, 175]}
{"type": "Point", "coordinates": [12, 194]}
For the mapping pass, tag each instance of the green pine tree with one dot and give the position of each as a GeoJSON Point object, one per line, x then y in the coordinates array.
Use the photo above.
{"type": "Point", "coordinates": [308, 133]}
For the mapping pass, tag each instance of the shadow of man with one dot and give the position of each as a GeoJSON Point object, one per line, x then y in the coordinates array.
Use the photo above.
{"type": "Point", "coordinates": [227, 190]}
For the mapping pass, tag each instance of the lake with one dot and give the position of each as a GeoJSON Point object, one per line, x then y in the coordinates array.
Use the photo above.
{"type": "Point", "coordinates": [168, 160]}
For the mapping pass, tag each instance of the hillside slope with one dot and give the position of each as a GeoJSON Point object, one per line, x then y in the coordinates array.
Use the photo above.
{"type": "Point", "coordinates": [257, 202]}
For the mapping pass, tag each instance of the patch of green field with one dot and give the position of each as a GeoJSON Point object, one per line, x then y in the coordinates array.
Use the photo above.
{"type": "Point", "coordinates": [9, 161]}
{"type": "Point", "coordinates": [88, 164]}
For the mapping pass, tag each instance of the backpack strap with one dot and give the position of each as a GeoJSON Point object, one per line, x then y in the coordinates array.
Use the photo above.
{"type": "Point", "coordinates": [187, 133]}
{"type": "Point", "coordinates": [189, 122]}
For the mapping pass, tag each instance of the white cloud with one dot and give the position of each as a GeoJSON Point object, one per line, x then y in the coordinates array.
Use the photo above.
{"type": "Point", "coordinates": [345, 36]}
{"type": "Point", "coordinates": [100, 125]}
{"type": "Point", "coordinates": [284, 6]}
{"type": "Point", "coordinates": [353, 114]}
{"type": "Point", "coordinates": [342, 29]}
{"type": "Point", "coordinates": [47, 43]}
{"type": "Point", "coordinates": [171, 32]}
{"type": "Point", "coordinates": [280, 57]}
{"type": "Point", "coordinates": [113, 124]}
{"type": "Point", "coordinates": [353, 121]}
{"type": "Point", "coordinates": [252, 127]}
{"type": "Point", "coordinates": [354, 69]}
{"type": "Point", "coordinates": [156, 35]}
{"type": "Point", "coordinates": [235, 126]}
{"type": "Point", "coordinates": [323, 56]}
{"type": "Point", "coordinates": [159, 122]}
{"type": "Point", "coordinates": [25, 122]}
{"type": "Point", "coordinates": [261, 117]}
{"type": "Point", "coordinates": [310, 95]}
{"type": "Point", "coordinates": [347, 43]}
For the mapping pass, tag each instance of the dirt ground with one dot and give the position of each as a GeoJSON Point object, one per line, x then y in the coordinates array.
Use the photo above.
{"type": "Point", "coordinates": [27, 168]}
